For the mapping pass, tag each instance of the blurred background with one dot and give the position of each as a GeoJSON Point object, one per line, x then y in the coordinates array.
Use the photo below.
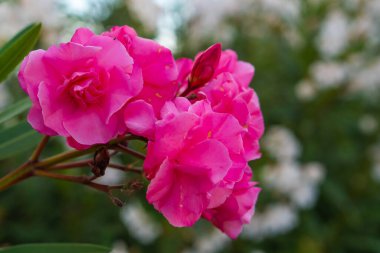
{"type": "Point", "coordinates": [318, 79]}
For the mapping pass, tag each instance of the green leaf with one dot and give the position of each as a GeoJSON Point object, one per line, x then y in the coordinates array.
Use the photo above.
{"type": "Point", "coordinates": [56, 248]}
{"type": "Point", "coordinates": [12, 53]}
{"type": "Point", "coordinates": [14, 109]}
{"type": "Point", "coordinates": [16, 139]}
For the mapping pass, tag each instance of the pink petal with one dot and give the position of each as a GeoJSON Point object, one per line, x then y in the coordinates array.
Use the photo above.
{"type": "Point", "coordinates": [243, 73]}
{"type": "Point", "coordinates": [36, 121]}
{"type": "Point", "coordinates": [237, 210]}
{"type": "Point", "coordinates": [156, 61]}
{"type": "Point", "coordinates": [140, 119]}
{"type": "Point", "coordinates": [67, 58]}
{"type": "Point", "coordinates": [82, 35]}
{"type": "Point", "coordinates": [121, 89]}
{"type": "Point", "coordinates": [87, 127]}
{"type": "Point", "coordinates": [112, 53]}
{"type": "Point", "coordinates": [209, 158]}
{"type": "Point", "coordinates": [180, 197]}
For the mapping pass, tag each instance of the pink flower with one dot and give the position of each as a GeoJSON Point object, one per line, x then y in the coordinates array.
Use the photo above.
{"type": "Point", "coordinates": [79, 88]}
{"type": "Point", "coordinates": [227, 96]}
{"type": "Point", "coordinates": [237, 209]}
{"type": "Point", "coordinates": [194, 161]}
{"type": "Point", "coordinates": [228, 92]}
{"type": "Point", "coordinates": [157, 63]}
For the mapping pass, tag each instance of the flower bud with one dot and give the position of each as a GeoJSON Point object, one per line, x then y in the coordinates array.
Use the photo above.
{"type": "Point", "coordinates": [204, 66]}
{"type": "Point", "coordinates": [101, 161]}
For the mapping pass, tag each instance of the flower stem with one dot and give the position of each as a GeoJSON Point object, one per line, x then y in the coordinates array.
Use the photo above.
{"type": "Point", "coordinates": [127, 168]}
{"type": "Point", "coordinates": [130, 151]}
{"type": "Point", "coordinates": [15, 176]}
{"type": "Point", "coordinates": [29, 168]}
{"type": "Point", "coordinates": [64, 157]}
{"type": "Point", "coordinates": [72, 165]}
{"type": "Point", "coordinates": [81, 180]}
{"type": "Point", "coordinates": [37, 152]}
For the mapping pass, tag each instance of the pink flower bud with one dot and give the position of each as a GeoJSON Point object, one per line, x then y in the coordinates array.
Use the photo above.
{"type": "Point", "coordinates": [204, 66]}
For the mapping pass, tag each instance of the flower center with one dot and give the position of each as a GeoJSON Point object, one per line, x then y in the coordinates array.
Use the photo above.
{"type": "Point", "coordinates": [85, 87]}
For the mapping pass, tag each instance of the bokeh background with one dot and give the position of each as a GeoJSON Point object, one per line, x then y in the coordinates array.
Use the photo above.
{"type": "Point", "coordinates": [318, 79]}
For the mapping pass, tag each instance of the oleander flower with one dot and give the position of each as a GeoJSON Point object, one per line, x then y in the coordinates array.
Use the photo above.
{"type": "Point", "coordinates": [228, 92]}
{"type": "Point", "coordinates": [237, 209]}
{"type": "Point", "coordinates": [157, 63]}
{"type": "Point", "coordinates": [79, 88]}
{"type": "Point", "coordinates": [194, 161]}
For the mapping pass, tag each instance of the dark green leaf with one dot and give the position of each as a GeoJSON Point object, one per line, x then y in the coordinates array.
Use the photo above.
{"type": "Point", "coordinates": [56, 248]}
{"type": "Point", "coordinates": [17, 48]}
{"type": "Point", "coordinates": [14, 109]}
{"type": "Point", "coordinates": [17, 139]}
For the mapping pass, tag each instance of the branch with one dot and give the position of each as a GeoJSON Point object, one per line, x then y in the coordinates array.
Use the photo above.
{"type": "Point", "coordinates": [130, 151]}
{"type": "Point", "coordinates": [85, 180]}
{"type": "Point", "coordinates": [128, 168]}
{"type": "Point", "coordinates": [37, 152]}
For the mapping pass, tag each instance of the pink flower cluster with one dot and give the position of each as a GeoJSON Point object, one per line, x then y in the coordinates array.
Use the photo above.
{"type": "Point", "coordinates": [201, 119]}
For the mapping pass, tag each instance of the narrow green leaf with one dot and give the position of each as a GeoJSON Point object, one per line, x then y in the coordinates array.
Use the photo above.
{"type": "Point", "coordinates": [17, 48]}
{"type": "Point", "coordinates": [56, 248]}
{"type": "Point", "coordinates": [17, 139]}
{"type": "Point", "coordinates": [15, 109]}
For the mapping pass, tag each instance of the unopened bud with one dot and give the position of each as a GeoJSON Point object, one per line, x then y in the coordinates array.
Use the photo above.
{"type": "Point", "coordinates": [116, 201]}
{"type": "Point", "coordinates": [204, 66]}
{"type": "Point", "coordinates": [101, 161]}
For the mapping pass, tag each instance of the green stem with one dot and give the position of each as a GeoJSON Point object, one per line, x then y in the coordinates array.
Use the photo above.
{"type": "Point", "coordinates": [15, 176]}
{"type": "Point", "coordinates": [81, 180]}
{"type": "Point", "coordinates": [37, 152]}
{"type": "Point", "coordinates": [130, 151]}
{"type": "Point", "coordinates": [70, 165]}
{"type": "Point", "coordinates": [64, 157]}
{"type": "Point", "coordinates": [27, 169]}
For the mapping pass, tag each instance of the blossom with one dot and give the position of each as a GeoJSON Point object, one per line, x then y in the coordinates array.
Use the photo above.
{"type": "Point", "coordinates": [238, 208]}
{"type": "Point", "coordinates": [194, 161]}
{"type": "Point", "coordinates": [228, 92]}
{"type": "Point", "coordinates": [78, 88]}
{"type": "Point", "coordinates": [156, 62]}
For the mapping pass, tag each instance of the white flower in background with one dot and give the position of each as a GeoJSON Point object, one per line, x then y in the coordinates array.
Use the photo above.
{"type": "Point", "coordinates": [211, 242]}
{"type": "Point", "coordinates": [333, 36]}
{"type": "Point", "coordinates": [281, 143]}
{"type": "Point", "coordinates": [314, 172]}
{"type": "Point", "coordinates": [299, 183]}
{"type": "Point", "coordinates": [306, 190]}
{"type": "Point", "coordinates": [282, 177]}
{"type": "Point", "coordinates": [147, 11]}
{"type": "Point", "coordinates": [139, 224]}
{"type": "Point", "coordinates": [112, 176]}
{"type": "Point", "coordinates": [372, 8]}
{"type": "Point", "coordinates": [276, 219]}
{"type": "Point", "coordinates": [367, 79]}
{"type": "Point", "coordinates": [362, 27]}
{"type": "Point", "coordinates": [375, 155]}
{"type": "Point", "coordinates": [289, 9]}
{"type": "Point", "coordinates": [368, 124]}
{"type": "Point", "coordinates": [205, 19]}
{"type": "Point", "coordinates": [18, 14]}
{"type": "Point", "coordinates": [328, 74]}
{"type": "Point", "coordinates": [295, 185]}
{"type": "Point", "coordinates": [119, 247]}
{"type": "Point", "coordinates": [305, 90]}
{"type": "Point", "coordinates": [351, 4]}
